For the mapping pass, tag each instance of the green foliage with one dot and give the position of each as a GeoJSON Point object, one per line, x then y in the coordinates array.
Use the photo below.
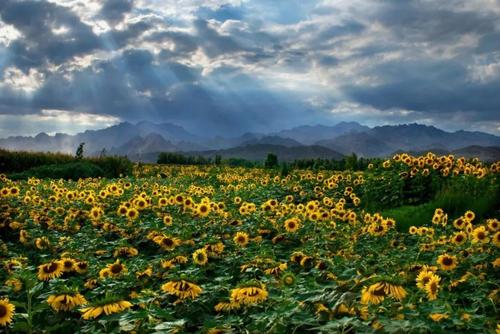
{"type": "Point", "coordinates": [482, 196]}
{"type": "Point", "coordinates": [26, 164]}
{"type": "Point", "coordinates": [73, 171]}
{"type": "Point", "coordinates": [181, 159]}
{"type": "Point", "coordinates": [113, 167]}
{"type": "Point", "coordinates": [347, 163]}
{"type": "Point", "coordinates": [389, 189]}
{"type": "Point", "coordinates": [79, 152]}
{"type": "Point", "coordinates": [18, 161]}
{"type": "Point", "coordinates": [271, 161]}
{"type": "Point", "coordinates": [237, 162]}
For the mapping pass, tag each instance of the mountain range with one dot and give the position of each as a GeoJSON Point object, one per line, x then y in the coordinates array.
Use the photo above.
{"type": "Point", "coordinates": [143, 141]}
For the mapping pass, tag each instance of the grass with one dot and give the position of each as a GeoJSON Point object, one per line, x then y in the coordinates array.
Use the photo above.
{"type": "Point", "coordinates": [454, 199]}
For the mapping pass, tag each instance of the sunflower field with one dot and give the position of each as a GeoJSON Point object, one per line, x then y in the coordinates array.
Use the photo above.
{"type": "Point", "coordinates": [215, 249]}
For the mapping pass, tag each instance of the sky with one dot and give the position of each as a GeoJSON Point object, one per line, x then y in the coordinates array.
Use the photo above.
{"type": "Point", "coordinates": [232, 66]}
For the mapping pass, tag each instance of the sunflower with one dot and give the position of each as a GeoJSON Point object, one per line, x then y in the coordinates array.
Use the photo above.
{"type": "Point", "coordinates": [447, 262]}
{"type": "Point", "coordinates": [480, 235]}
{"type": "Point", "coordinates": [227, 306]}
{"type": "Point", "coordinates": [11, 265]}
{"type": "Point", "coordinates": [132, 213]}
{"type": "Point", "coordinates": [6, 311]}
{"type": "Point", "coordinates": [182, 289]}
{"type": "Point", "coordinates": [374, 294]}
{"type": "Point", "coordinates": [93, 312]}
{"type": "Point", "coordinates": [167, 243]}
{"type": "Point", "coordinates": [437, 317]}
{"type": "Point", "coordinates": [432, 287]}
{"type": "Point", "coordinates": [66, 302]}
{"type": "Point", "coordinates": [493, 225]}
{"type": "Point", "coordinates": [115, 269]}
{"type": "Point", "coordinates": [496, 239]}
{"type": "Point", "coordinates": [203, 210]}
{"type": "Point", "coordinates": [167, 220]}
{"type": "Point", "coordinates": [68, 264]}
{"type": "Point", "coordinates": [15, 284]}
{"type": "Point", "coordinates": [125, 251]}
{"type": "Point", "coordinates": [288, 279]}
{"type": "Point", "coordinates": [459, 223]}
{"type": "Point", "coordinates": [423, 278]}
{"type": "Point", "coordinates": [42, 243]}
{"type": "Point", "coordinates": [81, 267]}
{"type": "Point", "coordinates": [396, 291]}
{"type": "Point", "coordinates": [459, 238]}
{"type": "Point", "coordinates": [249, 295]}
{"type": "Point", "coordinates": [292, 225]}
{"type": "Point", "coordinates": [200, 257]}
{"type": "Point", "coordinates": [241, 239]}
{"type": "Point", "coordinates": [469, 216]}
{"type": "Point", "coordinates": [47, 271]}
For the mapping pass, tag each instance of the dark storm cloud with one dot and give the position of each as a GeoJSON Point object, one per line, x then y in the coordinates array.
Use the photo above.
{"type": "Point", "coordinates": [114, 10]}
{"type": "Point", "coordinates": [429, 87]}
{"type": "Point", "coordinates": [213, 43]}
{"type": "Point", "coordinates": [36, 20]}
{"type": "Point", "coordinates": [426, 83]}
{"type": "Point", "coordinates": [421, 21]}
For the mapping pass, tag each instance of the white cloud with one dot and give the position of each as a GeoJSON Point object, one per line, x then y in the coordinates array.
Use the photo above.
{"type": "Point", "coordinates": [53, 121]}
{"type": "Point", "coordinates": [8, 33]}
{"type": "Point", "coordinates": [17, 79]}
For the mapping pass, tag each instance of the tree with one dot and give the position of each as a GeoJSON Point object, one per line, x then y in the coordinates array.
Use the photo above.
{"type": "Point", "coordinates": [271, 161]}
{"type": "Point", "coordinates": [103, 153]}
{"type": "Point", "coordinates": [218, 159]}
{"type": "Point", "coordinates": [79, 151]}
{"type": "Point", "coordinates": [351, 162]}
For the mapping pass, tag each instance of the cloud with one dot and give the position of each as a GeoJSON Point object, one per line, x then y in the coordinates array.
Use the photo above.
{"type": "Point", "coordinates": [114, 11]}
{"type": "Point", "coordinates": [54, 121]}
{"type": "Point", "coordinates": [226, 67]}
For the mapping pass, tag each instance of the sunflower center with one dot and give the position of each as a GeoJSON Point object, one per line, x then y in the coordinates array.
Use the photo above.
{"type": "Point", "coordinates": [50, 268]}
{"type": "Point", "coordinates": [291, 225]}
{"type": "Point", "coordinates": [3, 311]}
{"type": "Point", "coordinates": [168, 242]}
{"type": "Point", "coordinates": [379, 291]}
{"type": "Point", "coordinates": [68, 264]}
{"type": "Point", "coordinates": [447, 261]}
{"type": "Point", "coordinates": [433, 287]}
{"type": "Point", "coordinates": [116, 268]}
{"type": "Point", "coordinates": [480, 235]}
{"type": "Point", "coordinates": [460, 238]}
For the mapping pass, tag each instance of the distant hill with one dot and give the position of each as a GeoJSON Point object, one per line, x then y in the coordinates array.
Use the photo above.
{"type": "Point", "coordinates": [141, 139]}
{"type": "Point", "coordinates": [272, 140]}
{"type": "Point", "coordinates": [138, 145]}
{"type": "Point", "coordinates": [108, 138]}
{"type": "Point", "coordinates": [384, 140]}
{"type": "Point", "coordinates": [310, 134]}
{"type": "Point", "coordinates": [258, 152]}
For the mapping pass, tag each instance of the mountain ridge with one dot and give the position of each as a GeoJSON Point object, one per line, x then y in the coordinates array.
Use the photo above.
{"type": "Point", "coordinates": [343, 138]}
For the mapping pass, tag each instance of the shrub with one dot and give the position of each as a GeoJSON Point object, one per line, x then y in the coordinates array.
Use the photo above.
{"type": "Point", "coordinates": [73, 171]}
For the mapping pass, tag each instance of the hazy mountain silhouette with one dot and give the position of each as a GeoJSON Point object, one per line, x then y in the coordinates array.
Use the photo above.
{"type": "Point", "coordinates": [145, 137]}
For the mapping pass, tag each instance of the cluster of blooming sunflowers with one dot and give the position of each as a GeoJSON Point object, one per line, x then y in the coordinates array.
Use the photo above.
{"type": "Point", "coordinates": [226, 249]}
